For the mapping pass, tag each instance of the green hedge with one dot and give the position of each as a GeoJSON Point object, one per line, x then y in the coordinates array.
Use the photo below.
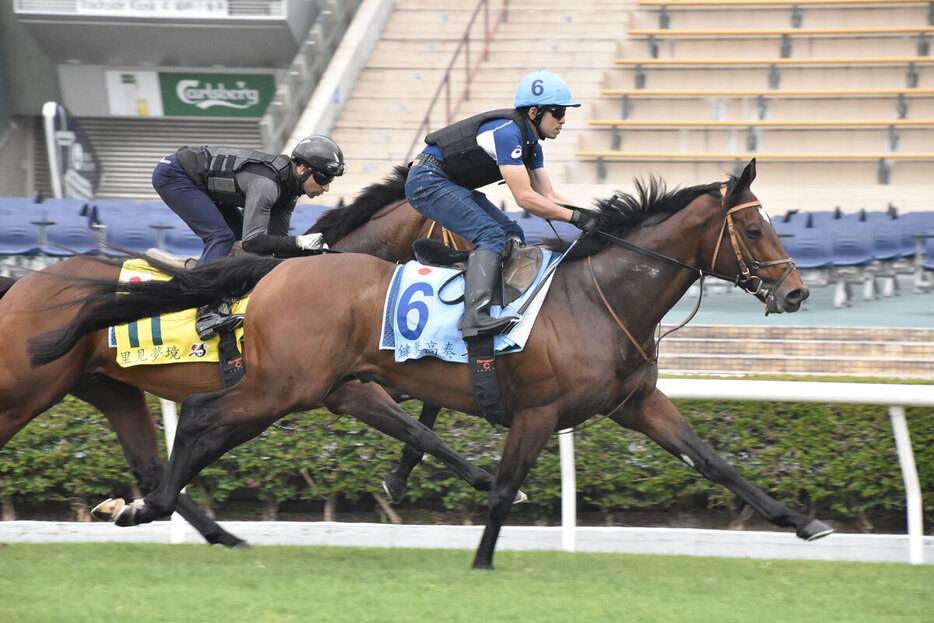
{"type": "Point", "coordinates": [817, 457]}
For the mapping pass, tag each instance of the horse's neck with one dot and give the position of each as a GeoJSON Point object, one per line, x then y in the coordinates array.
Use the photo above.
{"type": "Point", "coordinates": [642, 289]}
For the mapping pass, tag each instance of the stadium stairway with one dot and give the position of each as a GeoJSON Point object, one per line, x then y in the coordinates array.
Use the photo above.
{"type": "Point", "coordinates": [799, 351]}
{"type": "Point", "coordinates": [381, 120]}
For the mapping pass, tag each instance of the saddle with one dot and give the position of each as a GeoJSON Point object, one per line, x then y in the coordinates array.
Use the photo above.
{"type": "Point", "coordinates": [520, 265]}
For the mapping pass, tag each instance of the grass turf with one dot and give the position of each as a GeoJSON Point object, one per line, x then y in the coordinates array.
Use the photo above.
{"type": "Point", "coordinates": [109, 582]}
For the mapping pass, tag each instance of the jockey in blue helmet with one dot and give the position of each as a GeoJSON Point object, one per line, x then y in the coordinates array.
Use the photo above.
{"type": "Point", "coordinates": [496, 145]}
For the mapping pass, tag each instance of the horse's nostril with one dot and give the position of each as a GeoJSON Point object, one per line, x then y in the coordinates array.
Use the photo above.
{"type": "Point", "coordinates": [798, 295]}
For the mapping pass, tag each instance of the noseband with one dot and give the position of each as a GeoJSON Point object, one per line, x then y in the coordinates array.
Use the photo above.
{"type": "Point", "coordinates": [747, 279]}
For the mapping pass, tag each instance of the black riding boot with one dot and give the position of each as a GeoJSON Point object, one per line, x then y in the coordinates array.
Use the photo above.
{"type": "Point", "coordinates": [213, 318]}
{"type": "Point", "coordinates": [481, 276]}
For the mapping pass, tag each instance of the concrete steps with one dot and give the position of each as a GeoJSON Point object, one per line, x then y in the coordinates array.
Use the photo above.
{"type": "Point", "coordinates": [831, 351]}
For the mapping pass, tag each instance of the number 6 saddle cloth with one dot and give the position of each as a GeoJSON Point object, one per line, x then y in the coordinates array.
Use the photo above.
{"type": "Point", "coordinates": [424, 304]}
{"type": "Point", "coordinates": [170, 338]}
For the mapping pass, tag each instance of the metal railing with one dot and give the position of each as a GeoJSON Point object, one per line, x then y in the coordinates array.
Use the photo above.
{"type": "Point", "coordinates": [295, 90]}
{"type": "Point", "coordinates": [469, 67]}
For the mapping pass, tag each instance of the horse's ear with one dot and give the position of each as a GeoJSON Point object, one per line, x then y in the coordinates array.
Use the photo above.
{"type": "Point", "coordinates": [749, 174]}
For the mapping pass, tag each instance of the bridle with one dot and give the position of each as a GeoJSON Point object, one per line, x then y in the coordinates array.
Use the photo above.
{"type": "Point", "coordinates": [747, 278]}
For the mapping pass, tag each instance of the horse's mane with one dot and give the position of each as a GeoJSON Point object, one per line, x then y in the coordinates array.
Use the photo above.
{"type": "Point", "coordinates": [622, 213]}
{"type": "Point", "coordinates": [338, 222]}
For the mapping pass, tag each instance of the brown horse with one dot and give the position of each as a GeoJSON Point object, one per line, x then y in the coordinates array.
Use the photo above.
{"type": "Point", "coordinates": [379, 221]}
{"type": "Point", "coordinates": [591, 350]}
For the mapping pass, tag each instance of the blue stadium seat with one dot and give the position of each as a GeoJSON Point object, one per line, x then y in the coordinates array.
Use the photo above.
{"type": "Point", "coordinates": [182, 241]}
{"type": "Point", "coordinates": [305, 215]}
{"type": "Point", "coordinates": [19, 235]}
{"type": "Point", "coordinates": [537, 229]}
{"type": "Point", "coordinates": [789, 224]}
{"type": "Point", "coordinates": [71, 231]}
{"type": "Point", "coordinates": [810, 248]}
{"type": "Point", "coordinates": [852, 243]}
{"type": "Point", "coordinates": [126, 225]}
{"type": "Point", "coordinates": [824, 219]}
{"type": "Point", "coordinates": [911, 224]}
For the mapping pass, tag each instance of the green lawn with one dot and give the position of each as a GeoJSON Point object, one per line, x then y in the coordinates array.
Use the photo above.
{"type": "Point", "coordinates": [110, 582]}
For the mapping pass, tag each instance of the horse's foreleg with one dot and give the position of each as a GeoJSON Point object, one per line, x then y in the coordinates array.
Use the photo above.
{"type": "Point", "coordinates": [524, 442]}
{"type": "Point", "coordinates": [125, 407]}
{"type": "Point", "coordinates": [369, 403]}
{"type": "Point", "coordinates": [396, 482]}
{"type": "Point", "coordinates": [658, 419]}
{"type": "Point", "coordinates": [208, 427]}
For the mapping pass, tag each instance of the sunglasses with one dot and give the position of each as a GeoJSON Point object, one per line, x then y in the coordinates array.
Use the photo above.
{"type": "Point", "coordinates": [556, 111]}
{"type": "Point", "coordinates": [331, 170]}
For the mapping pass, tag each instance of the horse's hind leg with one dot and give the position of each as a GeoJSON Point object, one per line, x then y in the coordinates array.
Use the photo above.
{"type": "Point", "coordinates": [125, 407]}
{"type": "Point", "coordinates": [369, 403]}
{"type": "Point", "coordinates": [396, 482]}
{"type": "Point", "coordinates": [661, 421]}
{"type": "Point", "coordinates": [206, 430]}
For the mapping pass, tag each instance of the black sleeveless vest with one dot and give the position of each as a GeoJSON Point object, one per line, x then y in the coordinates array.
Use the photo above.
{"type": "Point", "coordinates": [213, 169]}
{"type": "Point", "coordinates": [465, 161]}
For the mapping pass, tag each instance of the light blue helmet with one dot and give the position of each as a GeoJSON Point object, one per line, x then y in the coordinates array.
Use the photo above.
{"type": "Point", "coordinates": [541, 88]}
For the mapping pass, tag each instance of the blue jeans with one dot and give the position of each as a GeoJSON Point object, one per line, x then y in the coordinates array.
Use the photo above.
{"type": "Point", "coordinates": [465, 212]}
{"type": "Point", "coordinates": [218, 227]}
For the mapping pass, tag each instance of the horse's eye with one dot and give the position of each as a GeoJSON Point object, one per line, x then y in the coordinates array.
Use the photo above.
{"type": "Point", "coordinates": [754, 233]}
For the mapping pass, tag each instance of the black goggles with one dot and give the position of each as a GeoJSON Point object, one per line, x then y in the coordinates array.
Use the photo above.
{"type": "Point", "coordinates": [556, 111]}
{"type": "Point", "coordinates": [331, 170]}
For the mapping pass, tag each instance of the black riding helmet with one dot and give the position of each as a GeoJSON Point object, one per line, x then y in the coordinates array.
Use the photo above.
{"type": "Point", "coordinates": [323, 158]}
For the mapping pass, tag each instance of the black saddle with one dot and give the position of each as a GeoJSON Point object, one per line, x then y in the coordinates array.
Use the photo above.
{"type": "Point", "coordinates": [520, 266]}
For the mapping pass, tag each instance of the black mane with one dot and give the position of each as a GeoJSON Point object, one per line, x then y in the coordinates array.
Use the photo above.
{"type": "Point", "coordinates": [338, 222]}
{"type": "Point", "coordinates": [651, 204]}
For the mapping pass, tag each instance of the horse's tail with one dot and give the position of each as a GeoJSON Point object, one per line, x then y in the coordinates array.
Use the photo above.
{"type": "Point", "coordinates": [5, 284]}
{"type": "Point", "coordinates": [108, 303]}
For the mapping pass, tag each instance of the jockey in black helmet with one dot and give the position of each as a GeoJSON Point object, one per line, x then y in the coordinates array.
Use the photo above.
{"type": "Point", "coordinates": [206, 186]}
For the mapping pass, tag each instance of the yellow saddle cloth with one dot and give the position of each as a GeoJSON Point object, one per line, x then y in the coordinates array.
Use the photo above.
{"type": "Point", "coordinates": [170, 338]}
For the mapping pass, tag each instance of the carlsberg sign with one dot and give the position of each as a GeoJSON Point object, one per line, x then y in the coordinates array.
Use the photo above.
{"type": "Point", "coordinates": [216, 95]}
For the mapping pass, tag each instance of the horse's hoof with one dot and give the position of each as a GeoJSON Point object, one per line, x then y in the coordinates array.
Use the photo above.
{"type": "Point", "coordinates": [124, 515]}
{"type": "Point", "coordinates": [520, 497]}
{"type": "Point", "coordinates": [108, 510]}
{"type": "Point", "coordinates": [242, 545]}
{"type": "Point", "coordinates": [394, 490]}
{"type": "Point", "coordinates": [816, 529]}
{"type": "Point", "coordinates": [483, 565]}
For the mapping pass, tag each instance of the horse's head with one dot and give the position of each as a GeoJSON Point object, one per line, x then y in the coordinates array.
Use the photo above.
{"type": "Point", "coordinates": [748, 244]}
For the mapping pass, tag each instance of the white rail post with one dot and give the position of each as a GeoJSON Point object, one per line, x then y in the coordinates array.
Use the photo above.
{"type": "Point", "coordinates": [568, 490]}
{"type": "Point", "coordinates": [906, 459]}
{"type": "Point", "coordinates": [170, 421]}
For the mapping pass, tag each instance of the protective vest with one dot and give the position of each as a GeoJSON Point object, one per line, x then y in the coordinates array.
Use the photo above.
{"type": "Point", "coordinates": [465, 161]}
{"type": "Point", "coordinates": [214, 169]}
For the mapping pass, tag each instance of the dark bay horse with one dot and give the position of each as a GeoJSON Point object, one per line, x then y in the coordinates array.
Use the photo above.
{"type": "Point", "coordinates": [379, 221]}
{"type": "Point", "coordinates": [590, 352]}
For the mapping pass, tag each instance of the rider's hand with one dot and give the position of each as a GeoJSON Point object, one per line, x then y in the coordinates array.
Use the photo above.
{"type": "Point", "coordinates": [584, 221]}
{"type": "Point", "coordinates": [311, 242]}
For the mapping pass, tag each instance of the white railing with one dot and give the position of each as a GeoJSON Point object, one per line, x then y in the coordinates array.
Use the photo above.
{"type": "Point", "coordinates": [896, 397]}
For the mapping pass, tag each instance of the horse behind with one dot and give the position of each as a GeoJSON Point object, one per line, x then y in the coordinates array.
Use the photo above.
{"type": "Point", "coordinates": [590, 352]}
{"type": "Point", "coordinates": [379, 221]}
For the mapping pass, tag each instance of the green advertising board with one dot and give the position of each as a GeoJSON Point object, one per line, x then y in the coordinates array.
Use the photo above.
{"type": "Point", "coordinates": [216, 95]}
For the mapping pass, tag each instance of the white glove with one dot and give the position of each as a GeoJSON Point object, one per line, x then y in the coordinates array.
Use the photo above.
{"type": "Point", "coordinates": [311, 242]}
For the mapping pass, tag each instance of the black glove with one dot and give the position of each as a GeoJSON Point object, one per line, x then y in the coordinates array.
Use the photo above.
{"type": "Point", "coordinates": [585, 222]}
